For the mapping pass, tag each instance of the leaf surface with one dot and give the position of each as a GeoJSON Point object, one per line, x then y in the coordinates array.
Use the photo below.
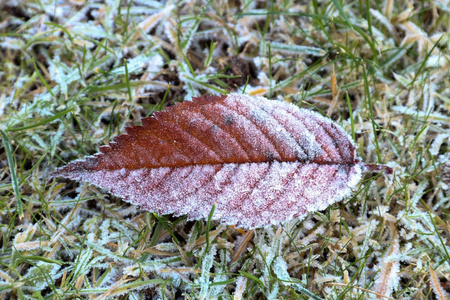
{"type": "Point", "coordinates": [261, 161]}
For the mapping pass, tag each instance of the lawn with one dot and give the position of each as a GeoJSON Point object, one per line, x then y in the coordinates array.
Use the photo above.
{"type": "Point", "coordinates": [74, 74]}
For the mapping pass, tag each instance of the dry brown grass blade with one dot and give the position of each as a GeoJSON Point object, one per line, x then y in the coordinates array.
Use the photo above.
{"type": "Point", "coordinates": [248, 236]}
{"type": "Point", "coordinates": [212, 235]}
{"type": "Point", "coordinates": [259, 92]}
{"type": "Point", "coordinates": [436, 285]}
{"type": "Point", "coordinates": [79, 282]}
{"type": "Point", "coordinates": [240, 288]}
{"type": "Point", "coordinates": [184, 255]}
{"type": "Point", "coordinates": [63, 279]}
{"type": "Point", "coordinates": [388, 6]}
{"type": "Point", "coordinates": [220, 21]}
{"type": "Point", "coordinates": [322, 100]}
{"type": "Point", "coordinates": [379, 296]}
{"type": "Point", "coordinates": [334, 93]}
{"type": "Point", "coordinates": [389, 270]}
{"type": "Point", "coordinates": [181, 271]}
{"type": "Point", "coordinates": [154, 251]}
{"type": "Point", "coordinates": [150, 22]}
{"type": "Point", "coordinates": [113, 290]}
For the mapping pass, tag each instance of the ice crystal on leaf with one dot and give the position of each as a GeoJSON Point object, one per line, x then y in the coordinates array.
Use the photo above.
{"type": "Point", "coordinates": [39, 276]}
{"type": "Point", "coordinates": [261, 162]}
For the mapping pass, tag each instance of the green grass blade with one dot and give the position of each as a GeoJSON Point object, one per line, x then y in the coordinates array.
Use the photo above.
{"type": "Point", "coordinates": [12, 170]}
{"type": "Point", "coordinates": [208, 226]}
{"type": "Point", "coordinates": [43, 122]}
{"type": "Point", "coordinates": [350, 111]}
{"type": "Point", "coordinates": [42, 78]}
{"type": "Point", "coordinates": [342, 12]}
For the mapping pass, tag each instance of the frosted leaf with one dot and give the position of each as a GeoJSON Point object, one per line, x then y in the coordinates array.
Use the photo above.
{"type": "Point", "coordinates": [89, 30]}
{"type": "Point", "coordinates": [280, 269]}
{"type": "Point", "coordinates": [437, 143]}
{"type": "Point", "coordinates": [261, 162]}
{"type": "Point", "coordinates": [153, 265]}
{"type": "Point", "coordinates": [38, 277]}
{"type": "Point", "coordinates": [296, 49]}
{"type": "Point", "coordinates": [12, 44]}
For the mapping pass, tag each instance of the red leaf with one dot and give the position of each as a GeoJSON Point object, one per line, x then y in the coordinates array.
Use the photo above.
{"type": "Point", "coordinates": [260, 161]}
